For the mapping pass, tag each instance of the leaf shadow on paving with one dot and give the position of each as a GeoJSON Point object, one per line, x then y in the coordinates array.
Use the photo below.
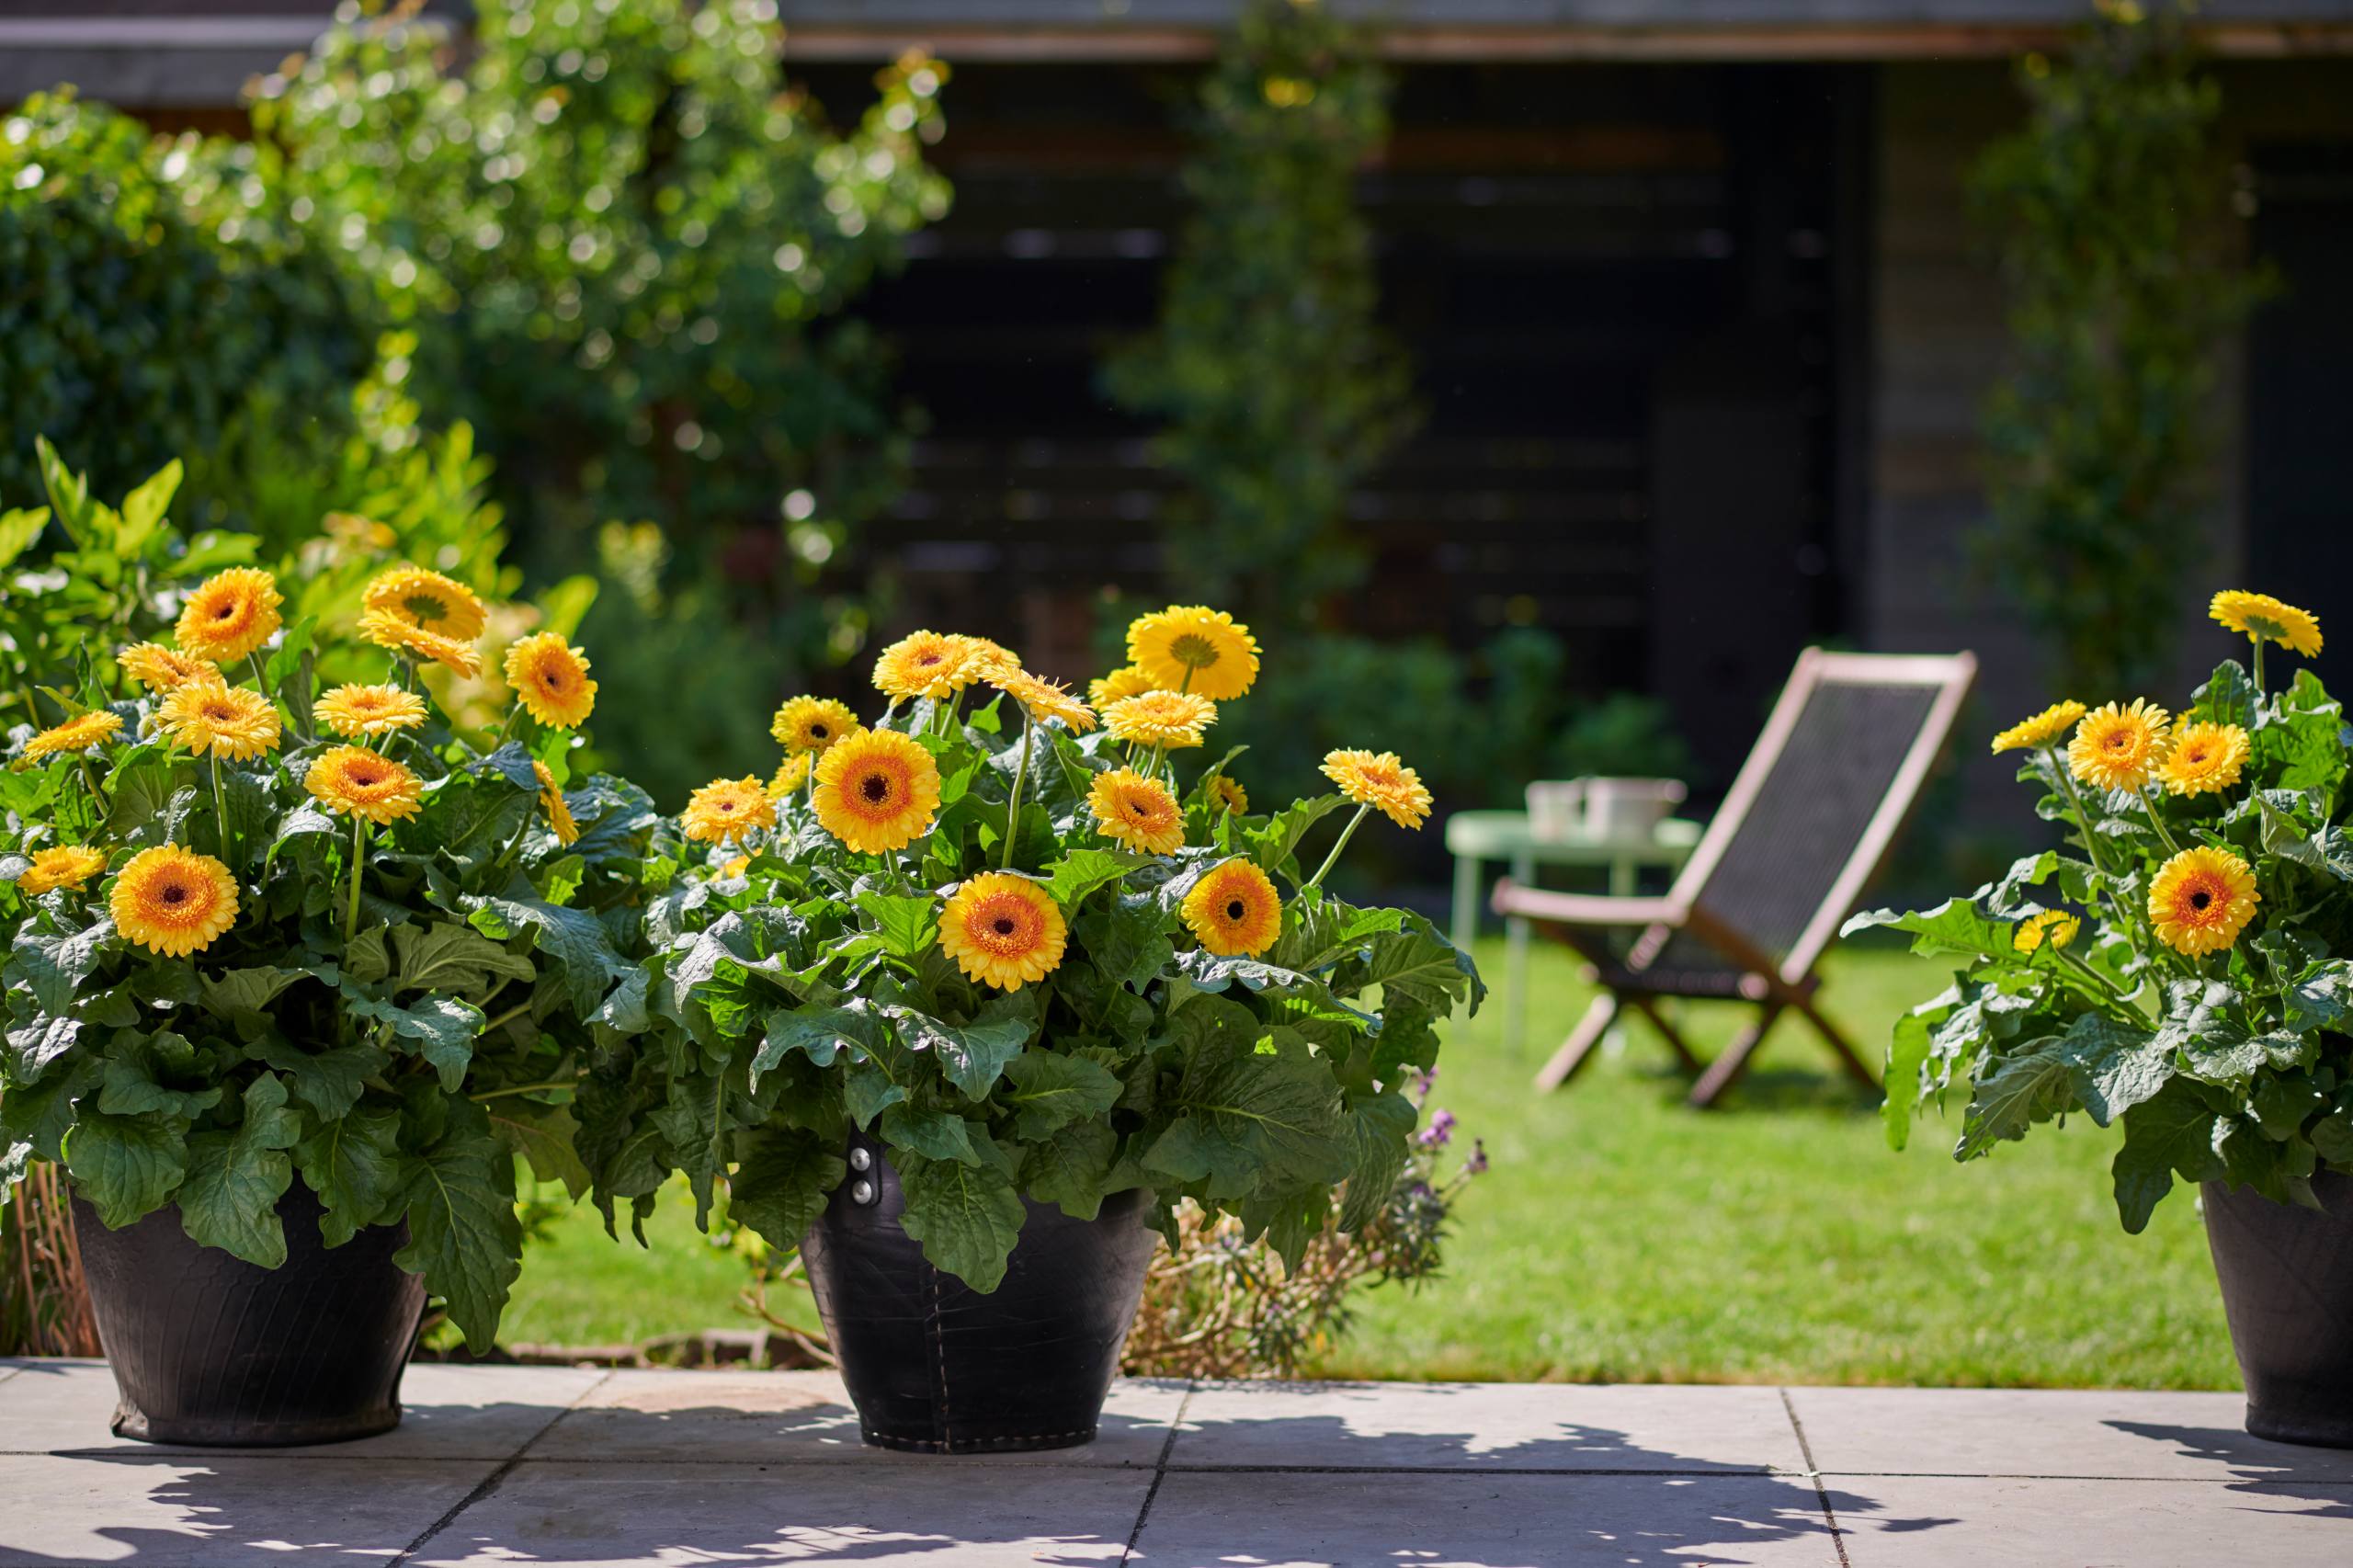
{"type": "Point", "coordinates": [2255, 1463]}
{"type": "Point", "coordinates": [1439, 1472]}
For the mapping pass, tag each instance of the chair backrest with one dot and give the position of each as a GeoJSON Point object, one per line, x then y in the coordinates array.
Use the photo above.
{"type": "Point", "coordinates": [1819, 803]}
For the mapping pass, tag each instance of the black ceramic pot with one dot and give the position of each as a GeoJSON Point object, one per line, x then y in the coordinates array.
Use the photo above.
{"type": "Point", "coordinates": [210, 1350]}
{"type": "Point", "coordinates": [937, 1366]}
{"type": "Point", "coordinates": [2287, 1275]}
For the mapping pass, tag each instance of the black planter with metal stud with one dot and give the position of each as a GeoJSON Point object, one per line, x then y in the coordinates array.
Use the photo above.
{"type": "Point", "coordinates": [2287, 1276]}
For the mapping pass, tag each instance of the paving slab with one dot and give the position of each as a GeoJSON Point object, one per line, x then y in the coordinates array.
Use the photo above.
{"type": "Point", "coordinates": [2089, 1433]}
{"type": "Point", "coordinates": [160, 1510]}
{"type": "Point", "coordinates": [449, 1412]}
{"type": "Point", "coordinates": [1517, 1426]}
{"type": "Point", "coordinates": [806, 1417]}
{"type": "Point", "coordinates": [1997, 1521]}
{"type": "Point", "coordinates": [653, 1516]}
{"type": "Point", "coordinates": [1293, 1520]}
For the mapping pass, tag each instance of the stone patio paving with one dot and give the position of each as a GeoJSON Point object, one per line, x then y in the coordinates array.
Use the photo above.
{"type": "Point", "coordinates": [572, 1468]}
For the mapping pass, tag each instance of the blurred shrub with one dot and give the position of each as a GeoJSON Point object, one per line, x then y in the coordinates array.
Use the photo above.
{"type": "Point", "coordinates": [616, 236]}
{"type": "Point", "coordinates": [150, 301]}
{"type": "Point", "coordinates": [1279, 390]}
{"type": "Point", "coordinates": [2111, 220]}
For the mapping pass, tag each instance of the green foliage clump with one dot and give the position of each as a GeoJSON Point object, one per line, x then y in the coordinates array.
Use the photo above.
{"type": "Point", "coordinates": [1279, 391]}
{"type": "Point", "coordinates": [151, 299]}
{"type": "Point", "coordinates": [2115, 238]}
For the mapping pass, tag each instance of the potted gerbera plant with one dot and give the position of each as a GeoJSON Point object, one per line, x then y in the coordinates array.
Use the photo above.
{"type": "Point", "coordinates": [2184, 965]}
{"type": "Point", "coordinates": [968, 1000]}
{"type": "Point", "coordinates": [297, 973]}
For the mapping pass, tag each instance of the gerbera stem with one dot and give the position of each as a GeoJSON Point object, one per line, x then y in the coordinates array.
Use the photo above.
{"type": "Point", "coordinates": [2258, 667]}
{"type": "Point", "coordinates": [220, 810]}
{"type": "Point", "coordinates": [1020, 776]}
{"type": "Point", "coordinates": [2150, 805]}
{"type": "Point", "coordinates": [358, 851]}
{"type": "Point", "coordinates": [1337, 845]}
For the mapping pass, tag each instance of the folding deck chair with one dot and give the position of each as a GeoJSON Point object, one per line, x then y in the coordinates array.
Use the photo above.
{"type": "Point", "coordinates": [1808, 824]}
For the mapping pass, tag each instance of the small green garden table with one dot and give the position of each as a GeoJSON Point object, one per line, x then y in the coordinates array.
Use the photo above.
{"type": "Point", "coordinates": [1475, 837]}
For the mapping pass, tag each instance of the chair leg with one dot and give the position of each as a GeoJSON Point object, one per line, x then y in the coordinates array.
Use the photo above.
{"type": "Point", "coordinates": [1648, 1007]}
{"type": "Point", "coordinates": [1727, 1069]}
{"type": "Point", "coordinates": [1580, 1044]}
{"type": "Point", "coordinates": [1838, 1042]}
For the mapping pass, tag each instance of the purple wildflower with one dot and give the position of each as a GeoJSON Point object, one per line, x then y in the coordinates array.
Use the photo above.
{"type": "Point", "coordinates": [1441, 1128]}
{"type": "Point", "coordinates": [1477, 1162]}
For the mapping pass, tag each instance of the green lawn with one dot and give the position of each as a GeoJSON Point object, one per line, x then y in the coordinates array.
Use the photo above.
{"type": "Point", "coordinates": [1620, 1237]}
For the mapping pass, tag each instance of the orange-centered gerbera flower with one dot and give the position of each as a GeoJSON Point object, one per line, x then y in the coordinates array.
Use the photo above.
{"type": "Point", "coordinates": [2119, 748]}
{"type": "Point", "coordinates": [1126, 681]}
{"type": "Point", "coordinates": [215, 719]}
{"type": "Point", "coordinates": [1228, 793]}
{"type": "Point", "coordinates": [360, 782]}
{"type": "Point", "coordinates": [2039, 731]}
{"type": "Point", "coordinates": [1380, 780]}
{"type": "Point", "coordinates": [1138, 811]}
{"type": "Point", "coordinates": [551, 800]}
{"type": "Point", "coordinates": [1003, 930]}
{"type": "Point", "coordinates": [926, 663]}
{"type": "Point", "coordinates": [811, 724]}
{"type": "Point", "coordinates": [1172, 720]}
{"type": "Point", "coordinates": [159, 668]}
{"type": "Point", "coordinates": [1234, 910]}
{"type": "Point", "coordinates": [387, 629]}
{"type": "Point", "coordinates": [1044, 699]}
{"type": "Point", "coordinates": [173, 901]}
{"type": "Point", "coordinates": [60, 866]}
{"type": "Point", "coordinates": [551, 677]}
{"type": "Point", "coordinates": [877, 791]}
{"type": "Point", "coordinates": [230, 614]}
{"type": "Point", "coordinates": [428, 600]}
{"type": "Point", "coordinates": [2261, 616]}
{"type": "Point", "coordinates": [352, 712]}
{"type": "Point", "coordinates": [726, 810]}
{"type": "Point", "coordinates": [77, 734]}
{"type": "Point", "coordinates": [2204, 758]}
{"type": "Point", "coordinates": [1194, 648]}
{"type": "Point", "coordinates": [2201, 900]}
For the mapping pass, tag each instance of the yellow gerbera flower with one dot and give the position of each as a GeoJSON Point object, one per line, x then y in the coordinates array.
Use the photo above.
{"type": "Point", "coordinates": [1125, 681]}
{"type": "Point", "coordinates": [230, 614]}
{"type": "Point", "coordinates": [357, 533]}
{"type": "Point", "coordinates": [2055, 924]}
{"type": "Point", "coordinates": [811, 724]}
{"type": "Point", "coordinates": [1381, 780]}
{"type": "Point", "coordinates": [1194, 648]}
{"type": "Point", "coordinates": [427, 599]}
{"type": "Point", "coordinates": [360, 782]}
{"type": "Point", "coordinates": [213, 719]}
{"type": "Point", "coordinates": [173, 901]}
{"type": "Point", "coordinates": [1003, 930]}
{"type": "Point", "coordinates": [551, 677]}
{"type": "Point", "coordinates": [61, 866]}
{"type": "Point", "coordinates": [1234, 910]}
{"type": "Point", "coordinates": [2261, 616]}
{"type": "Point", "coordinates": [2042, 729]}
{"type": "Point", "coordinates": [791, 773]}
{"type": "Point", "coordinates": [928, 663]}
{"type": "Point", "coordinates": [987, 658]}
{"type": "Point", "coordinates": [551, 800]}
{"type": "Point", "coordinates": [78, 733]}
{"type": "Point", "coordinates": [2119, 748]}
{"type": "Point", "coordinates": [726, 810]}
{"type": "Point", "coordinates": [159, 668]}
{"type": "Point", "coordinates": [1044, 699]}
{"type": "Point", "coordinates": [877, 791]}
{"type": "Point", "coordinates": [388, 630]}
{"type": "Point", "coordinates": [1170, 718]}
{"type": "Point", "coordinates": [1228, 793]}
{"type": "Point", "coordinates": [2205, 758]}
{"type": "Point", "coordinates": [352, 712]}
{"type": "Point", "coordinates": [2201, 900]}
{"type": "Point", "coordinates": [1138, 811]}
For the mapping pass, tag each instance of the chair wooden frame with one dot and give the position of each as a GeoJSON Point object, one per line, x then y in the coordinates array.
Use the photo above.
{"type": "Point", "coordinates": [1774, 986]}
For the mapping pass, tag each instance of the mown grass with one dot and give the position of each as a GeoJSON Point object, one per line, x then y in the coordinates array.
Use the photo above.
{"type": "Point", "coordinates": [1620, 1237]}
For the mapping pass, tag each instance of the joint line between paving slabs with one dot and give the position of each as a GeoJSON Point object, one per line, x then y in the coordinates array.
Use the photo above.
{"type": "Point", "coordinates": [1814, 1474]}
{"type": "Point", "coordinates": [1159, 1474]}
{"type": "Point", "coordinates": [489, 1483]}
